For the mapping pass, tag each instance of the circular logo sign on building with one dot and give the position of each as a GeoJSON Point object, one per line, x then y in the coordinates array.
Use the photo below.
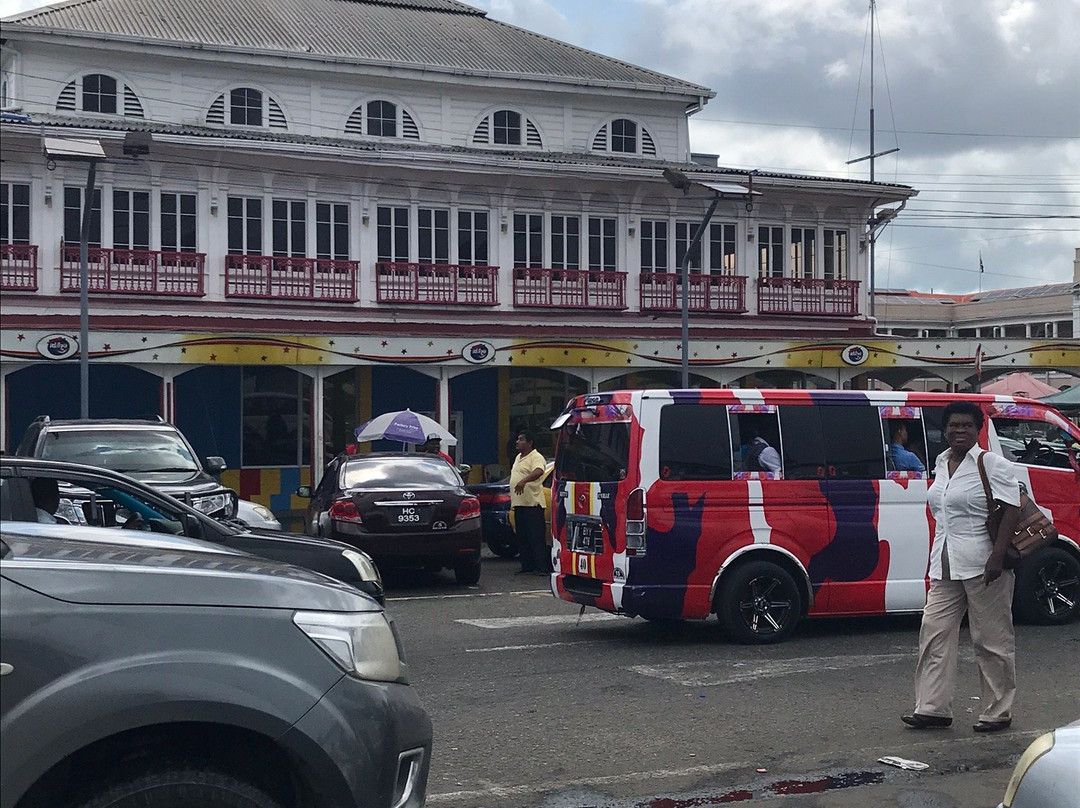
{"type": "Point", "coordinates": [58, 346]}
{"type": "Point", "coordinates": [478, 353]}
{"type": "Point", "coordinates": [855, 354]}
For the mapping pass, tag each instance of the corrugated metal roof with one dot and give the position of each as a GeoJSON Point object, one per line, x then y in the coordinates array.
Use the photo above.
{"type": "Point", "coordinates": [422, 33]}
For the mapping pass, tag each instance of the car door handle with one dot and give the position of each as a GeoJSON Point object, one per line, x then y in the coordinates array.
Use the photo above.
{"type": "Point", "coordinates": [5, 669]}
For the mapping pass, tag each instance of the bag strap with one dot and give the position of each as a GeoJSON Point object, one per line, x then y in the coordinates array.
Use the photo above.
{"type": "Point", "coordinates": [986, 484]}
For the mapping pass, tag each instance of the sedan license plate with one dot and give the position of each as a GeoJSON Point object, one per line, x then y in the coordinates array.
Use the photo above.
{"type": "Point", "coordinates": [407, 515]}
{"type": "Point", "coordinates": [588, 537]}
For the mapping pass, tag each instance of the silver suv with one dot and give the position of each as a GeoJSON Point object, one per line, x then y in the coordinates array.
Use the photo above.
{"type": "Point", "coordinates": [143, 669]}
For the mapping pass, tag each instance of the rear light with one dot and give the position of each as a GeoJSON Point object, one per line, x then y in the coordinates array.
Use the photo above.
{"type": "Point", "coordinates": [468, 509]}
{"type": "Point", "coordinates": [500, 499]}
{"type": "Point", "coordinates": [635, 523]}
{"type": "Point", "coordinates": [344, 510]}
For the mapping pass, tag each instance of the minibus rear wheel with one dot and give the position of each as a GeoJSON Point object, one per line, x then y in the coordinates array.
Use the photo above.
{"type": "Point", "coordinates": [758, 603]}
{"type": "Point", "coordinates": [1048, 587]}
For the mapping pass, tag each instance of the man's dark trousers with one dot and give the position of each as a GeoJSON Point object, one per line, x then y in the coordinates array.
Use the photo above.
{"type": "Point", "coordinates": [529, 526]}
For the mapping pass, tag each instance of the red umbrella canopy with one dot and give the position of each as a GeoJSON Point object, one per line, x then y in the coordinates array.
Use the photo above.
{"type": "Point", "coordinates": [1019, 384]}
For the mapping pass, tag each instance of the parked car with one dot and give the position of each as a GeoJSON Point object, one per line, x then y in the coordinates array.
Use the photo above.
{"type": "Point", "coordinates": [96, 497]}
{"type": "Point", "coordinates": [404, 510]}
{"type": "Point", "coordinates": [183, 673]}
{"type": "Point", "coordinates": [152, 451]}
{"type": "Point", "coordinates": [1048, 773]}
{"type": "Point", "coordinates": [497, 517]}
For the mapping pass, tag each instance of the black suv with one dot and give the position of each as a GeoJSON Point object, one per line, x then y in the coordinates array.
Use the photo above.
{"type": "Point", "coordinates": [150, 450]}
{"type": "Point", "coordinates": [91, 497]}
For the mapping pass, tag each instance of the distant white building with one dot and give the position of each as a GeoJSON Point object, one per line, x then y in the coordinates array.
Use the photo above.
{"type": "Point", "coordinates": [343, 207]}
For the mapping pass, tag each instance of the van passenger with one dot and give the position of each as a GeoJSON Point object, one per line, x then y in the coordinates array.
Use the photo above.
{"type": "Point", "coordinates": [760, 456]}
{"type": "Point", "coordinates": [902, 458]}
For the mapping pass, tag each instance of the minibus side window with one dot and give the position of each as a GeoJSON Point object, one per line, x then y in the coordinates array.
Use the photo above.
{"type": "Point", "coordinates": [745, 427]}
{"type": "Point", "coordinates": [804, 451]}
{"type": "Point", "coordinates": [694, 442]}
{"type": "Point", "coordinates": [935, 436]}
{"type": "Point", "coordinates": [912, 438]}
{"type": "Point", "coordinates": [1031, 442]}
{"type": "Point", "coordinates": [853, 445]}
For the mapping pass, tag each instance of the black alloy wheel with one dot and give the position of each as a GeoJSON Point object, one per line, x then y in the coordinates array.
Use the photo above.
{"type": "Point", "coordinates": [503, 547]}
{"type": "Point", "coordinates": [180, 786]}
{"type": "Point", "coordinates": [759, 603]}
{"type": "Point", "coordinates": [1048, 587]}
{"type": "Point", "coordinates": [467, 573]}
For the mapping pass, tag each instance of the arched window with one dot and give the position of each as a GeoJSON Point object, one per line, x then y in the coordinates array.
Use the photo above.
{"type": "Point", "coordinates": [246, 106]}
{"type": "Point", "coordinates": [507, 127]}
{"type": "Point", "coordinates": [100, 94]}
{"type": "Point", "coordinates": [624, 136]}
{"type": "Point", "coordinates": [381, 118]}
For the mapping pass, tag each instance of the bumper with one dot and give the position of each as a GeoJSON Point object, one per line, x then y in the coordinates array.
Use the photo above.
{"type": "Point", "coordinates": [365, 745]}
{"type": "Point", "coordinates": [446, 548]}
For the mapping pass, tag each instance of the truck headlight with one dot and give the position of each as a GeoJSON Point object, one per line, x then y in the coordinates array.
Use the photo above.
{"type": "Point", "coordinates": [364, 644]}
{"type": "Point", "coordinates": [214, 503]}
{"type": "Point", "coordinates": [364, 565]}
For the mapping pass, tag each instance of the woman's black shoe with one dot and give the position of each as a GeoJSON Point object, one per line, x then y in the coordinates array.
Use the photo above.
{"type": "Point", "coordinates": [926, 721]}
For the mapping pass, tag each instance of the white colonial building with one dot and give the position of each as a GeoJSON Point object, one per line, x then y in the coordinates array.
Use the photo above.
{"type": "Point", "coordinates": [325, 209]}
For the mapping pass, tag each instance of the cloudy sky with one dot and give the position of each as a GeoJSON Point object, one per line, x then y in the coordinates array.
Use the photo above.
{"type": "Point", "coordinates": [982, 97]}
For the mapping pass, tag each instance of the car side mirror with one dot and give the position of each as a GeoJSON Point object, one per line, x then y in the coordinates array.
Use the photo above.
{"type": "Point", "coordinates": [304, 491]}
{"type": "Point", "coordinates": [193, 528]}
{"type": "Point", "coordinates": [464, 469]}
{"type": "Point", "coordinates": [215, 465]}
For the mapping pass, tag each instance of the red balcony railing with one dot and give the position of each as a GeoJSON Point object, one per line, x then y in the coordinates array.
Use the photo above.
{"type": "Point", "coordinates": [18, 267]}
{"type": "Point", "coordinates": [812, 296]}
{"type": "Point", "coordinates": [662, 291]}
{"type": "Point", "coordinates": [569, 289]}
{"type": "Point", "coordinates": [135, 272]}
{"type": "Point", "coordinates": [453, 284]}
{"type": "Point", "coordinates": [281, 278]}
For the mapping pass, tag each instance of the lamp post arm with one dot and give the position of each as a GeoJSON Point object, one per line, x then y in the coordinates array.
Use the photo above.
{"type": "Point", "coordinates": [684, 274]}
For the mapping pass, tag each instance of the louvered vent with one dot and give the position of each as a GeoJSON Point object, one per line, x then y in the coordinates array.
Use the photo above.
{"type": "Point", "coordinates": [409, 129]}
{"type": "Point", "coordinates": [216, 114]}
{"type": "Point", "coordinates": [532, 135]}
{"type": "Point", "coordinates": [483, 132]}
{"type": "Point", "coordinates": [647, 145]}
{"type": "Point", "coordinates": [132, 107]}
{"type": "Point", "coordinates": [355, 124]}
{"type": "Point", "coordinates": [599, 143]}
{"type": "Point", "coordinates": [67, 97]}
{"type": "Point", "coordinates": [277, 117]}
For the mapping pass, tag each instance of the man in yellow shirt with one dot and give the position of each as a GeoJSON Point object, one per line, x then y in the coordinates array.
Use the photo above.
{"type": "Point", "coordinates": [527, 500]}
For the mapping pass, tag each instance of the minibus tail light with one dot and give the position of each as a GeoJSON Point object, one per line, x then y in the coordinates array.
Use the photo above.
{"type": "Point", "coordinates": [635, 523]}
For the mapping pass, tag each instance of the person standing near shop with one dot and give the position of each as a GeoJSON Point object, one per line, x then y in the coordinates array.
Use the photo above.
{"type": "Point", "coordinates": [967, 576]}
{"type": "Point", "coordinates": [527, 500]}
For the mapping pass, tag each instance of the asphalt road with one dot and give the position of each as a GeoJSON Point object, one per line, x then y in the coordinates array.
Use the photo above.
{"type": "Point", "coordinates": [533, 706]}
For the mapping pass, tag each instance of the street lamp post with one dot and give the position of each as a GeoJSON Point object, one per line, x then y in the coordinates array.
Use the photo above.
{"type": "Point", "coordinates": [91, 153]}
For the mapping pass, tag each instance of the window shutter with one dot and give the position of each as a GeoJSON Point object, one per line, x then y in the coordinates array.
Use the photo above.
{"type": "Point", "coordinates": [67, 97]}
{"type": "Point", "coordinates": [276, 115]}
{"type": "Point", "coordinates": [355, 124]}
{"type": "Point", "coordinates": [483, 132]}
{"type": "Point", "coordinates": [409, 129]}
{"type": "Point", "coordinates": [648, 147]}
{"type": "Point", "coordinates": [599, 142]}
{"type": "Point", "coordinates": [216, 115]}
{"type": "Point", "coordinates": [132, 107]}
{"type": "Point", "coordinates": [532, 135]}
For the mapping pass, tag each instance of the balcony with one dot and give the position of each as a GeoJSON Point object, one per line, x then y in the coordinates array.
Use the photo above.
{"type": "Point", "coordinates": [662, 291]}
{"type": "Point", "coordinates": [569, 289]}
{"type": "Point", "coordinates": [808, 296]}
{"type": "Point", "coordinates": [135, 272]}
{"type": "Point", "coordinates": [449, 284]}
{"type": "Point", "coordinates": [18, 267]}
{"type": "Point", "coordinates": [271, 277]}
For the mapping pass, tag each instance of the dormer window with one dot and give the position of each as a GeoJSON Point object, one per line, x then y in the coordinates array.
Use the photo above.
{"type": "Point", "coordinates": [246, 106]}
{"type": "Point", "coordinates": [624, 136]}
{"type": "Point", "coordinates": [507, 127]}
{"type": "Point", "coordinates": [101, 94]}
{"type": "Point", "coordinates": [380, 118]}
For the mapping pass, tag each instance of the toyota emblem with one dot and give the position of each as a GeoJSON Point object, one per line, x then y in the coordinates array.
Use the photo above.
{"type": "Point", "coordinates": [409, 495]}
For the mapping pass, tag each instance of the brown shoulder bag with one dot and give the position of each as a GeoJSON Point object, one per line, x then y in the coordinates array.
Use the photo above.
{"type": "Point", "coordinates": [1033, 529]}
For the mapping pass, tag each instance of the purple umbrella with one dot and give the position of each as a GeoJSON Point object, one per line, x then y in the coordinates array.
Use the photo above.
{"type": "Point", "coordinates": [406, 426]}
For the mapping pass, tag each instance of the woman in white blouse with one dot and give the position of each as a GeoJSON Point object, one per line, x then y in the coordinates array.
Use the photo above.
{"type": "Point", "coordinates": [967, 576]}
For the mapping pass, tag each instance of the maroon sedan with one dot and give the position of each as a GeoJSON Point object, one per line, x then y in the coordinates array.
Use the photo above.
{"type": "Point", "coordinates": [404, 510]}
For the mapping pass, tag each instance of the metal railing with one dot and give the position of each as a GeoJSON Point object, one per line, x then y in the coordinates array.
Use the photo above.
{"type": "Point", "coordinates": [662, 291]}
{"type": "Point", "coordinates": [809, 296]}
{"type": "Point", "coordinates": [569, 289]}
{"type": "Point", "coordinates": [271, 277]}
{"type": "Point", "coordinates": [135, 272]}
{"type": "Point", "coordinates": [18, 267]}
{"type": "Point", "coordinates": [451, 284]}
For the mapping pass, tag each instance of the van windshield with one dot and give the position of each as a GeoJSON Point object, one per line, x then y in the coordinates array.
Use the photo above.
{"type": "Point", "coordinates": [593, 452]}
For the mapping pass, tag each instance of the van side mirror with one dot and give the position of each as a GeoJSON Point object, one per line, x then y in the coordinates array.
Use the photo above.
{"type": "Point", "coordinates": [304, 491]}
{"type": "Point", "coordinates": [215, 465]}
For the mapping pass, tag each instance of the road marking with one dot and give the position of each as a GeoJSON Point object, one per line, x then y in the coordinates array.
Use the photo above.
{"type": "Point", "coordinates": [704, 674]}
{"type": "Point", "coordinates": [521, 647]}
{"type": "Point", "coordinates": [471, 595]}
{"type": "Point", "coordinates": [538, 620]}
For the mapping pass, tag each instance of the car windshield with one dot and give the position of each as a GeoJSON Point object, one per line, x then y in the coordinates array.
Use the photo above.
{"type": "Point", "coordinates": [378, 472]}
{"type": "Point", "coordinates": [124, 451]}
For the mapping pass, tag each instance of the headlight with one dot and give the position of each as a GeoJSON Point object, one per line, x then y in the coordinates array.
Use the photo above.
{"type": "Point", "coordinates": [364, 644]}
{"type": "Point", "coordinates": [1039, 747]}
{"type": "Point", "coordinates": [213, 504]}
{"type": "Point", "coordinates": [364, 565]}
{"type": "Point", "coordinates": [71, 512]}
{"type": "Point", "coordinates": [263, 512]}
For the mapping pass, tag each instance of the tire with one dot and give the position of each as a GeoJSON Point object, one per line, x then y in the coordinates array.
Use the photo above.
{"type": "Point", "coordinates": [467, 574]}
{"type": "Point", "coordinates": [759, 603]}
{"type": "Point", "coordinates": [503, 547]}
{"type": "Point", "coordinates": [180, 787]}
{"type": "Point", "coordinates": [1048, 587]}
